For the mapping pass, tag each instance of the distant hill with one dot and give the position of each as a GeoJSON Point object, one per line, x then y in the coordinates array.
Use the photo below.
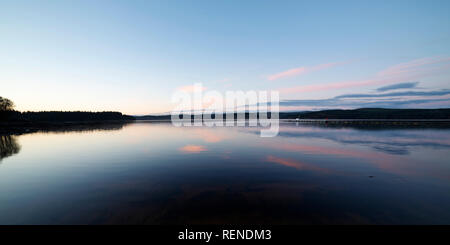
{"type": "Point", "coordinates": [373, 113]}
{"type": "Point", "coordinates": [363, 113]}
{"type": "Point", "coordinates": [149, 117]}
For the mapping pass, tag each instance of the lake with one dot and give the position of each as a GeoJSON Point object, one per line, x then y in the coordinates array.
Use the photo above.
{"type": "Point", "coordinates": [155, 173]}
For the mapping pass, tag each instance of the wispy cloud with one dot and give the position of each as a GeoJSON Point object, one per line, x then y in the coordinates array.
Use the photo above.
{"type": "Point", "coordinates": [396, 94]}
{"type": "Point", "coordinates": [300, 71]}
{"type": "Point", "coordinates": [406, 99]}
{"type": "Point", "coordinates": [413, 66]}
{"type": "Point", "coordinates": [398, 86]}
{"type": "Point", "coordinates": [329, 86]}
{"type": "Point", "coordinates": [413, 70]}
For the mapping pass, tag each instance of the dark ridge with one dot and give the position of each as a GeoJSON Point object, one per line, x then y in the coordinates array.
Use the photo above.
{"type": "Point", "coordinates": [363, 113]}
{"type": "Point", "coordinates": [373, 113]}
{"type": "Point", "coordinates": [149, 117]}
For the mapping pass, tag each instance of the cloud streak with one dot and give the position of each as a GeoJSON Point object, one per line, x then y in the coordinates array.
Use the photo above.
{"type": "Point", "coordinates": [300, 71]}
{"type": "Point", "coordinates": [413, 66]}
{"type": "Point", "coordinates": [405, 99]}
{"type": "Point", "coordinates": [396, 94]}
{"type": "Point", "coordinates": [329, 86]}
{"type": "Point", "coordinates": [398, 86]}
{"type": "Point", "coordinates": [413, 70]}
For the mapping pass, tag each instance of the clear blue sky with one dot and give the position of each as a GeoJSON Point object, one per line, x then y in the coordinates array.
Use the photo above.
{"type": "Point", "coordinates": [131, 56]}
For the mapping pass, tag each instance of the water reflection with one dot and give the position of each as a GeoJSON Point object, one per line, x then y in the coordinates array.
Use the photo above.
{"type": "Point", "coordinates": [193, 148]}
{"type": "Point", "coordinates": [8, 146]}
{"type": "Point", "coordinates": [154, 173]}
{"type": "Point", "coordinates": [296, 164]}
{"type": "Point", "coordinates": [62, 127]}
{"type": "Point", "coordinates": [398, 141]}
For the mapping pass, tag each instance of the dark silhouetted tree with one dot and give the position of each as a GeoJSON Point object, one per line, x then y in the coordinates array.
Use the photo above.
{"type": "Point", "coordinates": [6, 104]}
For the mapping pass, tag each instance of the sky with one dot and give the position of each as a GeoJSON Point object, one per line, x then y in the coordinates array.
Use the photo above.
{"type": "Point", "coordinates": [131, 56]}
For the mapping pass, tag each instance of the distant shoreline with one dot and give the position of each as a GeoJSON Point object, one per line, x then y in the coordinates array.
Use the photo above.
{"type": "Point", "coordinates": [24, 122]}
{"type": "Point", "coordinates": [349, 120]}
{"type": "Point", "coordinates": [356, 114]}
{"type": "Point", "coordinates": [16, 122]}
{"type": "Point", "coordinates": [422, 123]}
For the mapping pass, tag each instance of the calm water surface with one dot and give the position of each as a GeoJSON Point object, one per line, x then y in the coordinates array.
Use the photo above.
{"type": "Point", "coordinates": [154, 173]}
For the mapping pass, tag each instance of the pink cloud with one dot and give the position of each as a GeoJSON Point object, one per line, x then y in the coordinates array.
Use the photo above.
{"type": "Point", "coordinates": [300, 70]}
{"type": "Point", "coordinates": [412, 70]}
{"type": "Point", "coordinates": [329, 86]}
{"type": "Point", "coordinates": [193, 148]}
{"type": "Point", "coordinates": [416, 65]}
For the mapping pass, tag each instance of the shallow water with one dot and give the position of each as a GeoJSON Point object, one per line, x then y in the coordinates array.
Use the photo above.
{"type": "Point", "coordinates": [154, 173]}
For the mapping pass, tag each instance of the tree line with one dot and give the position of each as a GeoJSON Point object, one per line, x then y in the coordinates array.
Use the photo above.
{"type": "Point", "coordinates": [7, 113]}
{"type": "Point", "coordinates": [363, 113]}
